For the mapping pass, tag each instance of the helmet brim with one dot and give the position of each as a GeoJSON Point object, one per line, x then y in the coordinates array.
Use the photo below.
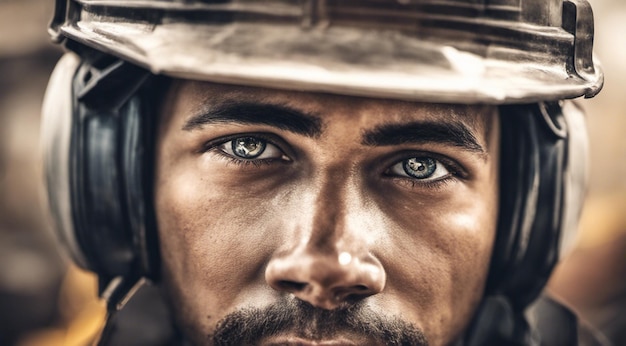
{"type": "Point", "coordinates": [347, 60]}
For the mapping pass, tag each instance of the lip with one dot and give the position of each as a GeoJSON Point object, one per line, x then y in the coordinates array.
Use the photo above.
{"type": "Point", "coordinates": [296, 341]}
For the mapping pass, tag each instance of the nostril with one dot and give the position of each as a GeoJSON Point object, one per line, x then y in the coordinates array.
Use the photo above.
{"type": "Point", "coordinates": [290, 286]}
{"type": "Point", "coordinates": [356, 291]}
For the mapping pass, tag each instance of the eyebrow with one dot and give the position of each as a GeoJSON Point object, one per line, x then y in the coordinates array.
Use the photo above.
{"type": "Point", "coordinates": [452, 133]}
{"type": "Point", "coordinates": [279, 116]}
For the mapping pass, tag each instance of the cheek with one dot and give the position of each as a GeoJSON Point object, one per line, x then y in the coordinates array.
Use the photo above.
{"type": "Point", "coordinates": [214, 244]}
{"type": "Point", "coordinates": [440, 260]}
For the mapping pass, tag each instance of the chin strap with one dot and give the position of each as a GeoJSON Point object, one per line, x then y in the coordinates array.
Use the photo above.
{"type": "Point", "coordinates": [498, 323]}
{"type": "Point", "coordinates": [117, 293]}
{"type": "Point", "coordinates": [145, 320]}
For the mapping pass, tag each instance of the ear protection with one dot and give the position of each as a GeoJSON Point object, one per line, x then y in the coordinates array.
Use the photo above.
{"type": "Point", "coordinates": [97, 136]}
{"type": "Point", "coordinates": [533, 166]}
{"type": "Point", "coordinates": [98, 132]}
{"type": "Point", "coordinates": [541, 194]}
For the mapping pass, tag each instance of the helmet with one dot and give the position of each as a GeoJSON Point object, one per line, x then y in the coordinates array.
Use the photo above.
{"type": "Point", "coordinates": [524, 55]}
{"type": "Point", "coordinates": [462, 51]}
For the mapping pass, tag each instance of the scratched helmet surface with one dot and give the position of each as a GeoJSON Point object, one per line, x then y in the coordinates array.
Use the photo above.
{"type": "Point", "coordinates": [461, 51]}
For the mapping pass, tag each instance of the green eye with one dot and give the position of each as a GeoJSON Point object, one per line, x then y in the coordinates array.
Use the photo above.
{"type": "Point", "coordinates": [248, 147]}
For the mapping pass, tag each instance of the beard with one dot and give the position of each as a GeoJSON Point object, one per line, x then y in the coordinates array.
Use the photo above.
{"type": "Point", "coordinates": [249, 326]}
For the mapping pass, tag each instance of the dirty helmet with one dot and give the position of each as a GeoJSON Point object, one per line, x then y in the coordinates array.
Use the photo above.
{"type": "Point", "coordinates": [459, 51]}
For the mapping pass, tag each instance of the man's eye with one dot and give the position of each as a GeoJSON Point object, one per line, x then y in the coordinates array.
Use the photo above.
{"type": "Point", "coordinates": [251, 148]}
{"type": "Point", "coordinates": [421, 168]}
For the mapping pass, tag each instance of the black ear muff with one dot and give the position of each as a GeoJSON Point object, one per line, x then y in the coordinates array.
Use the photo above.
{"type": "Point", "coordinates": [107, 157]}
{"type": "Point", "coordinates": [533, 166]}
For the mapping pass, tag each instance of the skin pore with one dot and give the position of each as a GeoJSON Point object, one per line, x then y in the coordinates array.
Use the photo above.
{"type": "Point", "coordinates": [291, 218]}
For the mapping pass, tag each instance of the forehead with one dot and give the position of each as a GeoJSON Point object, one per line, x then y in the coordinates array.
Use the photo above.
{"type": "Point", "coordinates": [190, 98]}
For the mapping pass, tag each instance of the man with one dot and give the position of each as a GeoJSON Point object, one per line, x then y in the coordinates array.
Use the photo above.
{"type": "Point", "coordinates": [320, 172]}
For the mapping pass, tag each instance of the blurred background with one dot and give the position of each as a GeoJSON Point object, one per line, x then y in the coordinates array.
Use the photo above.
{"type": "Point", "coordinates": [44, 300]}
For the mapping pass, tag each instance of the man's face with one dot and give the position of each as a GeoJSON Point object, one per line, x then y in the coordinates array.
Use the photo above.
{"type": "Point", "coordinates": [289, 218]}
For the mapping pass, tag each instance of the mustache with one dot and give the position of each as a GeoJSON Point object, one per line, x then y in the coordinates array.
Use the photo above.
{"type": "Point", "coordinates": [248, 326]}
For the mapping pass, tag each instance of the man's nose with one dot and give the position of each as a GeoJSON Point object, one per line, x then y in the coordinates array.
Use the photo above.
{"type": "Point", "coordinates": [331, 264]}
{"type": "Point", "coordinates": [326, 280]}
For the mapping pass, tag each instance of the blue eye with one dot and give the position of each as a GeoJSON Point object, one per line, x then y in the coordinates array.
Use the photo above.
{"type": "Point", "coordinates": [251, 148]}
{"type": "Point", "coordinates": [248, 147]}
{"type": "Point", "coordinates": [420, 168]}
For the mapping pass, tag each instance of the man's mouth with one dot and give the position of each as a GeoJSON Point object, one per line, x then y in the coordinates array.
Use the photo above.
{"type": "Point", "coordinates": [297, 341]}
{"type": "Point", "coordinates": [293, 322]}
